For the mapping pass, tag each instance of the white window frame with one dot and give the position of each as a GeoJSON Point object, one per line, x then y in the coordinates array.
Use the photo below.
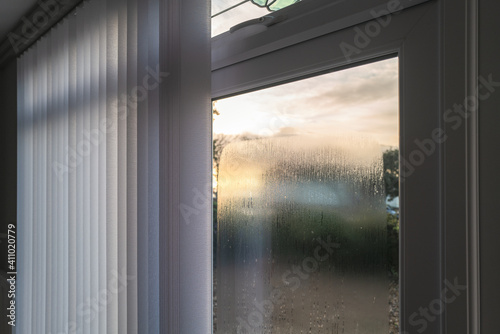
{"type": "Point", "coordinates": [439, 231]}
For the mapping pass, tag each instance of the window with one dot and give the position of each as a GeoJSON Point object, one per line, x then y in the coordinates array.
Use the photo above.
{"type": "Point", "coordinates": [304, 239]}
{"type": "Point", "coordinates": [344, 35]}
{"type": "Point", "coordinates": [229, 13]}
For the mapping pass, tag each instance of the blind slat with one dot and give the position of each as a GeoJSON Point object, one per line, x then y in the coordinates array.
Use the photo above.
{"type": "Point", "coordinates": [91, 130]}
{"type": "Point", "coordinates": [78, 173]}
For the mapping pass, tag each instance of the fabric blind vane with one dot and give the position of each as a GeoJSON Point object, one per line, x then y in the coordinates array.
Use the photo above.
{"type": "Point", "coordinates": [88, 123]}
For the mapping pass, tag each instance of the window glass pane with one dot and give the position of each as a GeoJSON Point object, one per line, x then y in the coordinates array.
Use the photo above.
{"type": "Point", "coordinates": [228, 13]}
{"type": "Point", "coordinates": [306, 238]}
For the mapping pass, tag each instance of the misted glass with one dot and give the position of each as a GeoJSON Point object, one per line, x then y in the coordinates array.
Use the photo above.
{"type": "Point", "coordinates": [303, 238]}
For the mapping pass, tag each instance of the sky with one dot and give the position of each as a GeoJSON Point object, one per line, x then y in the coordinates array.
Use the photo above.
{"type": "Point", "coordinates": [361, 100]}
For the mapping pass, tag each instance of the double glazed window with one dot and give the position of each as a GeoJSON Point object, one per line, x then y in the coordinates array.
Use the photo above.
{"type": "Point", "coordinates": [306, 226]}
{"type": "Point", "coordinates": [280, 193]}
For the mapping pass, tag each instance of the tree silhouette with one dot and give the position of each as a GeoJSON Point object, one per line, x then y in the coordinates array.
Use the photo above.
{"type": "Point", "coordinates": [391, 173]}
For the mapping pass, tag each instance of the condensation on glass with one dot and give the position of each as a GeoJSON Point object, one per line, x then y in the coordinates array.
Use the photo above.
{"type": "Point", "coordinates": [302, 237]}
{"type": "Point", "coordinates": [306, 202]}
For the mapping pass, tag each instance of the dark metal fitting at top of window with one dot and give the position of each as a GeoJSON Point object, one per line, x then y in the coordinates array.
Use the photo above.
{"type": "Point", "coordinates": [265, 21]}
{"type": "Point", "coordinates": [273, 5]}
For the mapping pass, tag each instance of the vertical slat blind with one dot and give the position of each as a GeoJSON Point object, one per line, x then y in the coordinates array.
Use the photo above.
{"type": "Point", "coordinates": [88, 173]}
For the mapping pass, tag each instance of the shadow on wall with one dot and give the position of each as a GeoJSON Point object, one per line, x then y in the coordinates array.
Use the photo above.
{"type": "Point", "coordinates": [8, 168]}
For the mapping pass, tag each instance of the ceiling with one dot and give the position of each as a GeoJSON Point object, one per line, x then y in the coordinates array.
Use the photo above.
{"type": "Point", "coordinates": [11, 12]}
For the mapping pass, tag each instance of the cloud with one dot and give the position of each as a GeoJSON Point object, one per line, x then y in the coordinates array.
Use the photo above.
{"type": "Point", "coordinates": [287, 131]}
{"type": "Point", "coordinates": [358, 93]}
{"type": "Point", "coordinates": [363, 99]}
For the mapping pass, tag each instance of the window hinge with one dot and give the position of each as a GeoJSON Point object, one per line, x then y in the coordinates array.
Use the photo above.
{"type": "Point", "coordinates": [259, 24]}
